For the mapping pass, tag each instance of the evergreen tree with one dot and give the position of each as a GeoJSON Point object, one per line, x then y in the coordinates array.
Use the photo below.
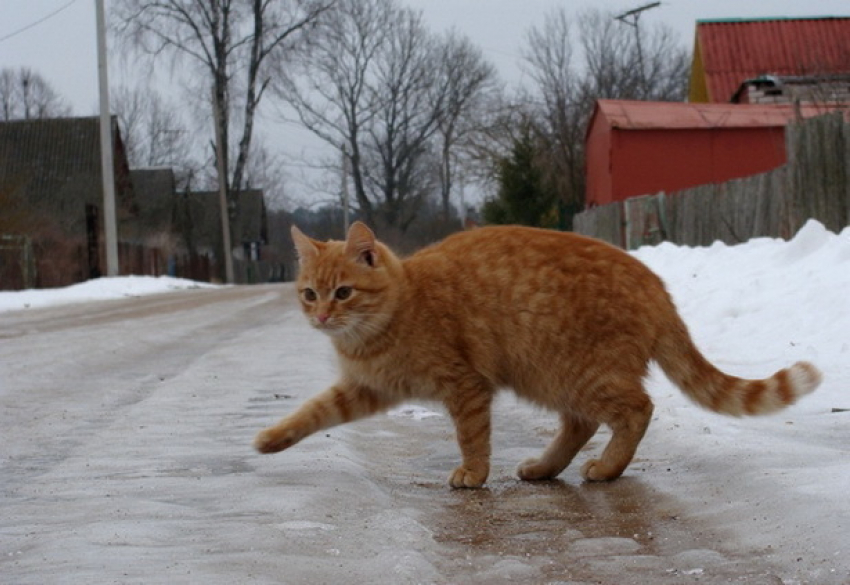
{"type": "Point", "coordinates": [524, 197]}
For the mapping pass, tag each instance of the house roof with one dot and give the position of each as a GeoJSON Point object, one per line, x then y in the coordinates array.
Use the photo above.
{"type": "Point", "coordinates": [43, 155]}
{"type": "Point", "coordinates": [54, 164]}
{"type": "Point", "coordinates": [732, 51]}
{"type": "Point", "coordinates": [638, 115]}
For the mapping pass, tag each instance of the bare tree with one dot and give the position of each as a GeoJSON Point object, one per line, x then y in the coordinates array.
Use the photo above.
{"type": "Point", "coordinates": [607, 63]}
{"type": "Point", "coordinates": [470, 82]}
{"type": "Point", "coordinates": [153, 131]}
{"type": "Point", "coordinates": [336, 101]}
{"type": "Point", "coordinates": [412, 98]}
{"type": "Point", "coordinates": [376, 84]}
{"type": "Point", "coordinates": [230, 43]}
{"type": "Point", "coordinates": [624, 63]}
{"type": "Point", "coordinates": [500, 122]}
{"type": "Point", "coordinates": [24, 95]}
{"type": "Point", "coordinates": [562, 109]}
{"type": "Point", "coordinates": [265, 171]}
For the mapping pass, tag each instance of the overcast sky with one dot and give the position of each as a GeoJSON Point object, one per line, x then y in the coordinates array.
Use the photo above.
{"type": "Point", "coordinates": [62, 47]}
{"type": "Point", "coordinates": [56, 38]}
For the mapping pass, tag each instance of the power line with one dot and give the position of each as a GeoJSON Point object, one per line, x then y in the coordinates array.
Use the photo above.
{"type": "Point", "coordinates": [37, 22]}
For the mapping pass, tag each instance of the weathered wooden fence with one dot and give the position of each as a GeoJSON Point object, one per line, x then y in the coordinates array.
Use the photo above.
{"type": "Point", "coordinates": [143, 260]}
{"type": "Point", "coordinates": [17, 262]}
{"type": "Point", "coordinates": [258, 271]}
{"type": "Point", "coordinates": [815, 183]}
{"type": "Point", "coordinates": [27, 264]}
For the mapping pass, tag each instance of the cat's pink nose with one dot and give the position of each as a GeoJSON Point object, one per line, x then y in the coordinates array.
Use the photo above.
{"type": "Point", "coordinates": [322, 318]}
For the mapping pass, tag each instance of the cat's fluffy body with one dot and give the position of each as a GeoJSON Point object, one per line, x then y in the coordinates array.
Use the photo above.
{"type": "Point", "coordinates": [568, 322]}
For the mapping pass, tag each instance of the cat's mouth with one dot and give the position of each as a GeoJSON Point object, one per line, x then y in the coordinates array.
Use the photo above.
{"type": "Point", "coordinates": [330, 326]}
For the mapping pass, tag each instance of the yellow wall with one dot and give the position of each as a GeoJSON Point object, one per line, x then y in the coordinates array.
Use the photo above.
{"type": "Point", "coordinates": [697, 88]}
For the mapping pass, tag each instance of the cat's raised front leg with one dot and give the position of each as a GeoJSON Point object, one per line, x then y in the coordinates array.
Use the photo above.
{"type": "Point", "coordinates": [470, 410]}
{"type": "Point", "coordinates": [341, 403]}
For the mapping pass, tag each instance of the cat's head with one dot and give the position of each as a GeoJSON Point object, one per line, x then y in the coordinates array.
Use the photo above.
{"type": "Point", "coordinates": [348, 288]}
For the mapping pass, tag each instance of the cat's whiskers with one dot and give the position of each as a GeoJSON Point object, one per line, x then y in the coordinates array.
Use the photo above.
{"type": "Point", "coordinates": [368, 325]}
{"type": "Point", "coordinates": [363, 330]}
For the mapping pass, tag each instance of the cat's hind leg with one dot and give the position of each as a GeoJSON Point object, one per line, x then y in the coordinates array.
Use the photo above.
{"type": "Point", "coordinates": [628, 414]}
{"type": "Point", "coordinates": [574, 433]}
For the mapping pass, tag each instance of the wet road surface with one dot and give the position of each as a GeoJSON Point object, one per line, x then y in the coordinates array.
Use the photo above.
{"type": "Point", "coordinates": [126, 429]}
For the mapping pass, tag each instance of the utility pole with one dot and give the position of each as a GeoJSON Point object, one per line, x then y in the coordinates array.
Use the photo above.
{"type": "Point", "coordinates": [631, 18]}
{"type": "Point", "coordinates": [463, 210]}
{"type": "Point", "coordinates": [222, 192]}
{"type": "Point", "coordinates": [110, 226]}
{"type": "Point", "coordinates": [345, 221]}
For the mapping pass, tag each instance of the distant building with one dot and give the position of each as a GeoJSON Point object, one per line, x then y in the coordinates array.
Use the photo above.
{"type": "Point", "coordinates": [749, 78]}
{"type": "Point", "coordinates": [51, 224]}
{"type": "Point", "coordinates": [796, 89]}
{"type": "Point", "coordinates": [800, 51]}
{"type": "Point", "coordinates": [157, 203]}
{"type": "Point", "coordinates": [249, 228]}
{"type": "Point", "coordinates": [51, 195]}
{"type": "Point", "coordinates": [54, 167]}
{"type": "Point", "coordinates": [640, 148]}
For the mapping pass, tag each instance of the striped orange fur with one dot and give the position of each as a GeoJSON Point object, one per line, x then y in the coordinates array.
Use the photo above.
{"type": "Point", "coordinates": [567, 322]}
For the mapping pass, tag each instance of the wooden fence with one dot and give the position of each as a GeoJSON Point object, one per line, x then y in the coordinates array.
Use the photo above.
{"type": "Point", "coordinates": [258, 271]}
{"type": "Point", "coordinates": [26, 264]}
{"type": "Point", "coordinates": [815, 183]}
{"type": "Point", "coordinates": [144, 260]}
{"type": "Point", "coordinates": [17, 262]}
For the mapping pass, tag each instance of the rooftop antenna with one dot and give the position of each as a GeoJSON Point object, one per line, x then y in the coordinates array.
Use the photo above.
{"type": "Point", "coordinates": [631, 18]}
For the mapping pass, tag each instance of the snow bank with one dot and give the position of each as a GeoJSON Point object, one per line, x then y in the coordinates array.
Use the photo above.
{"type": "Point", "coordinates": [752, 309]}
{"type": "Point", "coordinates": [98, 289]}
{"type": "Point", "coordinates": [760, 306]}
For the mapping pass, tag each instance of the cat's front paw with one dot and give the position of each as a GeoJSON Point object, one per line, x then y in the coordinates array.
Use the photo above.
{"type": "Point", "coordinates": [274, 440]}
{"type": "Point", "coordinates": [467, 478]}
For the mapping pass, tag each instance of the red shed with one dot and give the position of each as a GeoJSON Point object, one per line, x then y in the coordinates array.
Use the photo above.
{"type": "Point", "coordinates": [638, 148]}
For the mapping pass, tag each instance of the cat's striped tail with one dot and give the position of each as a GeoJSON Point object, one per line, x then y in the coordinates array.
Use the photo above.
{"type": "Point", "coordinates": [683, 363]}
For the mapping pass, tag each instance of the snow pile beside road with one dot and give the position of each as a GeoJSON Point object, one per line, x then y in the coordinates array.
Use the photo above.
{"type": "Point", "coordinates": [98, 289]}
{"type": "Point", "coordinates": [753, 309]}
{"type": "Point", "coordinates": [760, 306]}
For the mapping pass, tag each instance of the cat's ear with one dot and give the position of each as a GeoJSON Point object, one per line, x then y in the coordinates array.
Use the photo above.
{"type": "Point", "coordinates": [360, 244]}
{"type": "Point", "coordinates": [304, 246]}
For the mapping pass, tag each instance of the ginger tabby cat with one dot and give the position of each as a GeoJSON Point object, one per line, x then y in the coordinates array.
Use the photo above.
{"type": "Point", "coordinates": [568, 322]}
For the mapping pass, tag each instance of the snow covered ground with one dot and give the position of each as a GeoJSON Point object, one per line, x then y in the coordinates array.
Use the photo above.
{"type": "Point", "coordinates": [366, 502]}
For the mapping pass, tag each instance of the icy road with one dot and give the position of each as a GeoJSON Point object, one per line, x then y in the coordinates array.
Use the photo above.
{"type": "Point", "coordinates": [126, 429]}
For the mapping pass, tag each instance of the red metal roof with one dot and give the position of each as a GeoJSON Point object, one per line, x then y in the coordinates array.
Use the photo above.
{"type": "Point", "coordinates": [637, 115]}
{"type": "Point", "coordinates": [734, 51]}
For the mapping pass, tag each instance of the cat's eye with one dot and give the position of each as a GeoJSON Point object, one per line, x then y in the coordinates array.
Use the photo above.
{"type": "Point", "coordinates": [309, 295]}
{"type": "Point", "coordinates": [343, 293]}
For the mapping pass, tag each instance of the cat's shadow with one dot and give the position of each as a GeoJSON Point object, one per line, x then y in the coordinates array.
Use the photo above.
{"type": "Point", "coordinates": [536, 516]}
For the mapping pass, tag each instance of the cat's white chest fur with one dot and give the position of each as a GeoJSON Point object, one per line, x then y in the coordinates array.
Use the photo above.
{"type": "Point", "coordinates": [384, 375]}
